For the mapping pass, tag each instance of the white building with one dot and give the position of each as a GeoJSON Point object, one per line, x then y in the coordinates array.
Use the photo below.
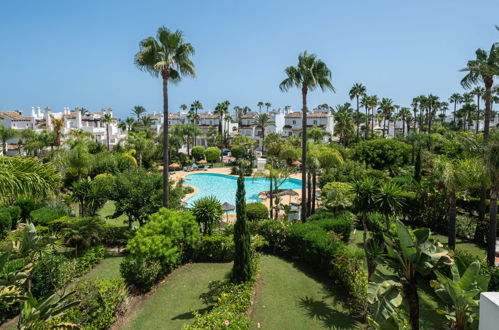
{"type": "Point", "coordinates": [72, 120]}
{"type": "Point", "coordinates": [293, 122]}
{"type": "Point", "coordinates": [250, 129]}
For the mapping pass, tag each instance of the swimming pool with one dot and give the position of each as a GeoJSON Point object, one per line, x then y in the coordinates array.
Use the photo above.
{"type": "Point", "coordinates": [224, 187]}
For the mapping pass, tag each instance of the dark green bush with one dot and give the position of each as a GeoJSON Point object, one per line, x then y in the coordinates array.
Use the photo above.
{"type": "Point", "coordinates": [5, 222]}
{"type": "Point", "coordinates": [140, 273]}
{"type": "Point", "coordinates": [27, 206]}
{"type": "Point", "coordinates": [382, 154]}
{"type": "Point", "coordinates": [15, 215]}
{"type": "Point", "coordinates": [274, 232]}
{"type": "Point", "coordinates": [100, 302]}
{"type": "Point", "coordinates": [46, 214]}
{"type": "Point", "coordinates": [215, 248]}
{"type": "Point", "coordinates": [256, 211]}
{"type": "Point", "coordinates": [116, 236]}
{"type": "Point", "coordinates": [342, 223]}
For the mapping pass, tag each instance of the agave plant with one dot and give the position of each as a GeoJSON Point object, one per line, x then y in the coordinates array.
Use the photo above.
{"type": "Point", "coordinates": [460, 295]}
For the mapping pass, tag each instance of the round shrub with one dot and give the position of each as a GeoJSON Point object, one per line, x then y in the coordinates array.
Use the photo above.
{"type": "Point", "coordinates": [197, 152]}
{"type": "Point", "coordinates": [274, 232]}
{"type": "Point", "coordinates": [382, 154]}
{"type": "Point", "coordinates": [238, 151]}
{"type": "Point", "coordinates": [256, 211]}
{"type": "Point", "coordinates": [140, 273]}
{"type": "Point", "coordinates": [45, 215]}
{"type": "Point", "coordinates": [27, 206]}
{"type": "Point", "coordinates": [337, 195]}
{"type": "Point", "coordinates": [212, 154]}
{"type": "Point", "coordinates": [50, 273]}
{"type": "Point", "coordinates": [341, 223]}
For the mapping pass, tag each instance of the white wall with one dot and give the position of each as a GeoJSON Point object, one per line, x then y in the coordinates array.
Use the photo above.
{"type": "Point", "coordinates": [489, 311]}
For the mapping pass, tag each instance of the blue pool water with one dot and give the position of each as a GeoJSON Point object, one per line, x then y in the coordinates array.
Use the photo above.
{"type": "Point", "coordinates": [224, 187]}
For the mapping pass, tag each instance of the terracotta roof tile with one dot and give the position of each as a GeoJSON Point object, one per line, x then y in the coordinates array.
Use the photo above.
{"type": "Point", "coordinates": [14, 115]}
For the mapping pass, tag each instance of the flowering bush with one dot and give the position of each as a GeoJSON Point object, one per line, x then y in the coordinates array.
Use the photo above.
{"type": "Point", "coordinates": [274, 232]}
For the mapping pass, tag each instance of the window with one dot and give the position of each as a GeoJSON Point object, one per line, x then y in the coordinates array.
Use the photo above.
{"type": "Point", "coordinates": [315, 122]}
{"type": "Point", "coordinates": [294, 122]}
{"type": "Point", "coordinates": [290, 133]}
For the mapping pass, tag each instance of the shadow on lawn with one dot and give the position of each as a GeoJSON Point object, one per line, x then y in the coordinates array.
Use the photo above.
{"type": "Point", "coordinates": [321, 309]}
{"type": "Point", "coordinates": [190, 315]}
{"type": "Point", "coordinates": [330, 318]}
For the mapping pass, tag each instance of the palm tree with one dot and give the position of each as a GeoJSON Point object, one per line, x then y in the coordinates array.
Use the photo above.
{"type": "Point", "coordinates": [432, 102]}
{"type": "Point", "coordinates": [183, 107]}
{"type": "Point", "coordinates": [260, 105]}
{"type": "Point", "coordinates": [365, 103]}
{"type": "Point", "coordinates": [373, 103]}
{"type": "Point", "coordinates": [26, 177]}
{"type": "Point", "coordinates": [343, 122]}
{"type": "Point", "coordinates": [138, 110]}
{"type": "Point", "coordinates": [386, 106]}
{"type": "Point", "coordinates": [389, 200]}
{"type": "Point", "coordinates": [6, 133]}
{"type": "Point", "coordinates": [455, 98]}
{"type": "Point", "coordinates": [405, 114]}
{"type": "Point", "coordinates": [263, 121]}
{"type": "Point", "coordinates": [167, 56]}
{"type": "Point", "coordinates": [130, 122]}
{"type": "Point", "coordinates": [107, 119]}
{"type": "Point", "coordinates": [492, 166]}
{"type": "Point", "coordinates": [483, 69]}
{"type": "Point", "coordinates": [268, 105]}
{"type": "Point", "coordinates": [195, 106]}
{"type": "Point", "coordinates": [57, 126]}
{"type": "Point", "coordinates": [276, 177]}
{"type": "Point", "coordinates": [309, 74]}
{"type": "Point", "coordinates": [358, 90]}
{"type": "Point", "coordinates": [478, 92]}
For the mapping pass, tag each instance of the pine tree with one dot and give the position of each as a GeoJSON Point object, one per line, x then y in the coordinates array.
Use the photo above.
{"type": "Point", "coordinates": [242, 269]}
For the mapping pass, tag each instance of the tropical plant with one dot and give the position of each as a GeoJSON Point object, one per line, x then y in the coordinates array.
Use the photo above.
{"type": "Point", "coordinates": [212, 154]}
{"type": "Point", "coordinates": [310, 73]}
{"type": "Point", "coordinates": [57, 126]}
{"type": "Point", "coordinates": [456, 99]}
{"type": "Point", "coordinates": [107, 119]}
{"type": "Point", "coordinates": [138, 110]}
{"type": "Point", "coordinates": [343, 118]}
{"type": "Point", "coordinates": [460, 294]}
{"type": "Point", "coordinates": [81, 233]}
{"type": "Point", "coordinates": [389, 200]}
{"type": "Point", "coordinates": [492, 167]}
{"type": "Point", "coordinates": [411, 253]}
{"type": "Point", "coordinates": [22, 177]}
{"type": "Point", "coordinates": [263, 121]}
{"type": "Point", "coordinates": [167, 56]}
{"type": "Point", "coordinates": [6, 133]}
{"type": "Point", "coordinates": [208, 212]}
{"type": "Point", "coordinates": [356, 92]}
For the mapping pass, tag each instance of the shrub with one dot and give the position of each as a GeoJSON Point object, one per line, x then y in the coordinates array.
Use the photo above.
{"type": "Point", "coordinates": [27, 206]}
{"type": "Point", "coordinates": [116, 236]}
{"type": "Point", "coordinates": [342, 223]}
{"type": "Point", "coordinates": [247, 170]}
{"type": "Point", "coordinates": [165, 237]}
{"type": "Point", "coordinates": [215, 248]}
{"type": "Point", "coordinates": [382, 154]}
{"type": "Point", "coordinates": [337, 195]}
{"type": "Point", "coordinates": [465, 226]}
{"type": "Point", "coordinates": [256, 211]}
{"type": "Point", "coordinates": [238, 152]}
{"type": "Point", "coordinates": [197, 152]}
{"type": "Point", "coordinates": [5, 222]}
{"type": "Point", "coordinates": [15, 215]}
{"type": "Point", "coordinates": [140, 273]}
{"type": "Point", "coordinates": [208, 212]}
{"type": "Point", "coordinates": [54, 271]}
{"type": "Point", "coordinates": [274, 232]}
{"type": "Point", "coordinates": [46, 214]}
{"type": "Point", "coordinates": [99, 304]}
{"type": "Point", "coordinates": [212, 154]}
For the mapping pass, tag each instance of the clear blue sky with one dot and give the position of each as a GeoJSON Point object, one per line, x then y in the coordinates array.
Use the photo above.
{"type": "Point", "coordinates": [80, 53]}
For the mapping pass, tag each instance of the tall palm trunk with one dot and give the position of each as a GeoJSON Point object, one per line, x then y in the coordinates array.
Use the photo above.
{"type": "Point", "coordinates": [309, 198]}
{"type": "Point", "coordinates": [367, 123]}
{"type": "Point", "coordinates": [477, 113]}
{"type": "Point", "coordinates": [263, 138]}
{"type": "Point", "coordinates": [304, 91]}
{"type": "Point", "coordinates": [271, 198]}
{"type": "Point", "coordinates": [357, 118]}
{"type": "Point", "coordinates": [372, 120]}
{"type": "Point", "coordinates": [384, 125]}
{"type": "Point", "coordinates": [108, 139]}
{"type": "Point", "coordinates": [491, 250]}
{"type": "Point", "coordinates": [166, 162]}
{"type": "Point", "coordinates": [454, 114]}
{"type": "Point", "coordinates": [314, 187]}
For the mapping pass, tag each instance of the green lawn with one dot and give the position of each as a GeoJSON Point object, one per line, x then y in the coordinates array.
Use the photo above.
{"type": "Point", "coordinates": [293, 296]}
{"type": "Point", "coordinates": [108, 268]}
{"type": "Point", "coordinates": [107, 210]}
{"type": "Point", "coordinates": [171, 305]}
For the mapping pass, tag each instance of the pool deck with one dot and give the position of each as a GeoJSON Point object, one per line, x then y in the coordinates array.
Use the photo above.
{"type": "Point", "coordinates": [231, 218]}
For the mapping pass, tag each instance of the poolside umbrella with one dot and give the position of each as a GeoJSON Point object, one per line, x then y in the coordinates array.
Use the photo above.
{"type": "Point", "coordinates": [296, 163]}
{"type": "Point", "coordinates": [289, 192]}
{"type": "Point", "coordinates": [184, 204]}
{"type": "Point", "coordinates": [202, 161]}
{"type": "Point", "coordinates": [228, 207]}
{"type": "Point", "coordinates": [175, 165]}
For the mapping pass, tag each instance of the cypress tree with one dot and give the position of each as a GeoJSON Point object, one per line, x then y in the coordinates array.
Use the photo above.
{"type": "Point", "coordinates": [242, 269]}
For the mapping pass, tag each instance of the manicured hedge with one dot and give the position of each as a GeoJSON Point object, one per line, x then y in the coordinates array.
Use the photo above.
{"type": "Point", "coordinates": [342, 223]}
{"type": "Point", "coordinates": [326, 251]}
{"type": "Point", "coordinates": [140, 273]}
{"type": "Point", "coordinates": [214, 248]}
